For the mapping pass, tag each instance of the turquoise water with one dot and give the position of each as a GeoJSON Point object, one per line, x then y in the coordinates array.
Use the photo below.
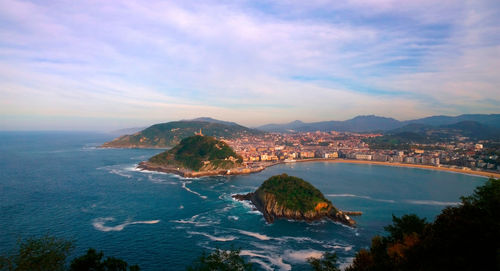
{"type": "Point", "coordinates": [60, 183]}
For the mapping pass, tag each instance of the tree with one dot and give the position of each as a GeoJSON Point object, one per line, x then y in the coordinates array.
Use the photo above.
{"type": "Point", "coordinates": [38, 254]}
{"type": "Point", "coordinates": [463, 237]}
{"type": "Point", "coordinates": [221, 260]}
{"type": "Point", "coordinates": [328, 262]}
{"type": "Point", "coordinates": [93, 261]}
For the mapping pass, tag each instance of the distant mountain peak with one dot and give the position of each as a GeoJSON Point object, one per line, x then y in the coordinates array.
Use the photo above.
{"type": "Point", "coordinates": [212, 120]}
{"type": "Point", "coordinates": [361, 117]}
{"type": "Point", "coordinates": [372, 123]}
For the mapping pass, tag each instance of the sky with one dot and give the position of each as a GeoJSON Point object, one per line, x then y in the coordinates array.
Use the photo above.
{"type": "Point", "coordinates": [104, 65]}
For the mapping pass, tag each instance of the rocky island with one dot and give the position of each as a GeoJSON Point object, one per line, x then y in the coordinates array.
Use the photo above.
{"type": "Point", "coordinates": [290, 197]}
{"type": "Point", "coordinates": [198, 156]}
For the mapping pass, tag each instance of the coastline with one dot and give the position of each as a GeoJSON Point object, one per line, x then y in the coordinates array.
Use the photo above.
{"type": "Point", "coordinates": [195, 174]}
{"type": "Point", "coordinates": [367, 162]}
{"type": "Point", "coordinates": [263, 165]}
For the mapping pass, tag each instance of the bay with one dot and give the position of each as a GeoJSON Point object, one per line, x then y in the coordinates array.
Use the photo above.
{"type": "Point", "coordinates": [62, 184]}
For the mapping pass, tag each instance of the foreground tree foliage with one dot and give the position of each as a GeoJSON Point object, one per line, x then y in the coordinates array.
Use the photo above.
{"type": "Point", "coordinates": [93, 260]}
{"type": "Point", "coordinates": [38, 254]}
{"type": "Point", "coordinates": [49, 253]}
{"type": "Point", "coordinates": [221, 260]}
{"type": "Point", "coordinates": [326, 263]}
{"type": "Point", "coordinates": [464, 237]}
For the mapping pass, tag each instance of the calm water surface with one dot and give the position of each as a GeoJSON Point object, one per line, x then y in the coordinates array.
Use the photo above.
{"type": "Point", "coordinates": [60, 183]}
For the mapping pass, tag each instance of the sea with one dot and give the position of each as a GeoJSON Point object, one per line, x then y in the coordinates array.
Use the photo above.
{"type": "Point", "coordinates": [62, 184]}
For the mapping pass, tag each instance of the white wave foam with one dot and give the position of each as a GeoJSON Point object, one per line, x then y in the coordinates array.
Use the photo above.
{"type": "Point", "coordinates": [338, 247]}
{"type": "Point", "coordinates": [150, 171]}
{"type": "Point", "coordinates": [120, 173]}
{"type": "Point", "coordinates": [301, 239]}
{"type": "Point", "coordinates": [248, 205]}
{"type": "Point", "coordinates": [264, 265]}
{"type": "Point", "coordinates": [159, 180]}
{"type": "Point", "coordinates": [213, 238]}
{"type": "Point", "coordinates": [233, 217]}
{"type": "Point", "coordinates": [361, 197]}
{"type": "Point", "coordinates": [297, 256]}
{"type": "Point", "coordinates": [99, 222]}
{"type": "Point", "coordinates": [256, 235]}
{"type": "Point", "coordinates": [91, 147]}
{"type": "Point", "coordinates": [194, 221]}
{"type": "Point", "coordinates": [121, 170]}
{"type": "Point", "coordinates": [194, 192]}
{"type": "Point", "coordinates": [265, 247]}
{"type": "Point", "coordinates": [433, 202]}
{"type": "Point", "coordinates": [274, 260]}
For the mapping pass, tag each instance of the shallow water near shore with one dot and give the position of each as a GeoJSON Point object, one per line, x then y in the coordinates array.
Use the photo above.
{"type": "Point", "coordinates": [60, 183]}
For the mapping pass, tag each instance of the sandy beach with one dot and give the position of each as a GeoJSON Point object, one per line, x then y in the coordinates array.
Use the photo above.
{"type": "Point", "coordinates": [457, 170]}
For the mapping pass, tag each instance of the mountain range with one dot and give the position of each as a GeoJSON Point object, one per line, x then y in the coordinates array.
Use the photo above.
{"type": "Point", "coordinates": [372, 123]}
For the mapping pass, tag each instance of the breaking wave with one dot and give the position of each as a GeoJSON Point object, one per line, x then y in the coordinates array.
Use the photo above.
{"type": "Point", "coordinates": [99, 222]}
{"type": "Point", "coordinates": [276, 263]}
{"type": "Point", "coordinates": [196, 220]}
{"type": "Point", "coordinates": [433, 202]}
{"type": "Point", "coordinates": [361, 197]}
{"type": "Point", "coordinates": [255, 235]}
{"type": "Point", "coordinates": [213, 238]}
{"type": "Point", "coordinates": [194, 192]}
{"type": "Point", "coordinates": [296, 256]}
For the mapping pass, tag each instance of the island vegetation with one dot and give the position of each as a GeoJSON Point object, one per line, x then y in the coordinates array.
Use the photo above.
{"type": "Point", "coordinates": [290, 197]}
{"type": "Point", "coordinates": [199, 153]}
{"type": "Point", "coordinates": [197, 156]}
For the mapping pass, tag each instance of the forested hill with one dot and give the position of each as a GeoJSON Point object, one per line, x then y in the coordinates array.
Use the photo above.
{"type": "Point", "coordinates": [169, 134]}
{"type": "Point", "coordinates": [199, 153]}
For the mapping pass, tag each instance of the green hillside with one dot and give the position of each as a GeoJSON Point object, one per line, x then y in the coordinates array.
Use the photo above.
{"type": "Point", "coordinates": [169, 134]}
{"type": "Point", "coordinates": [293, 193]}
{"type": "Point", "coordinates": [199, 153]}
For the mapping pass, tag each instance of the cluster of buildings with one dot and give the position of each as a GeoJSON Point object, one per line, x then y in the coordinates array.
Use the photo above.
{"type": "Point", "coordinates": [289, 147]}
{"type": "Point", "coordinates": [277, 147]}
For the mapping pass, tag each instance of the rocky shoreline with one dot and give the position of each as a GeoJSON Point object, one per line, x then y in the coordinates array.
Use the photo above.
{"type": "Point", "coordinates": [271, 211]}
{"type": "Point", "coordinates": [195, 174]}
{"type": "Point", "coordinates": [264, 165]}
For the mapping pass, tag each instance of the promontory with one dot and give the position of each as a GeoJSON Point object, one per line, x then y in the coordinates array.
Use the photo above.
{"type": "Point", "coordinates": [167, 135]}
{"type": "Point", "coordinates": [289, 197]}
{"type": "Point", "coordinates": [198, 156]}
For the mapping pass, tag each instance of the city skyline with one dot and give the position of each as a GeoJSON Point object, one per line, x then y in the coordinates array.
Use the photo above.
{"type": "Point", "coordinates": [103, 66]}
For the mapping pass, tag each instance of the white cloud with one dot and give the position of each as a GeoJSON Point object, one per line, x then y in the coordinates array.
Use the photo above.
{"type": "Point", "coordinates": [167, 60]}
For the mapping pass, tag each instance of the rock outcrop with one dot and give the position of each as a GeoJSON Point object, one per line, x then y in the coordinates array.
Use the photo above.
{"type": "Point", "coordinates": [273, 205]}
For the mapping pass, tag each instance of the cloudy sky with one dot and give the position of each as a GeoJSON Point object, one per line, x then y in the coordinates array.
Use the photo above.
{"type": "Point", "coordinates": [115, 64]}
